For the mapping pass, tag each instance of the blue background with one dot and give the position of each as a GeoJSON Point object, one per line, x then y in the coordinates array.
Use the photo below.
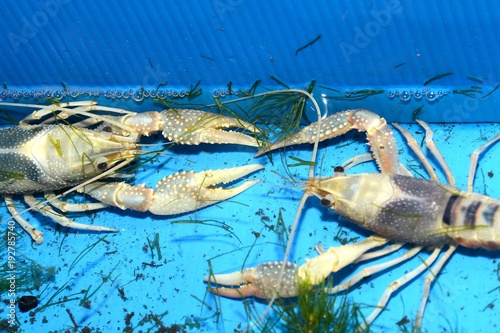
{"type": "Point", "coordinates": [101, 47]}
{"type": "Point", "coordinates": [390, 45]}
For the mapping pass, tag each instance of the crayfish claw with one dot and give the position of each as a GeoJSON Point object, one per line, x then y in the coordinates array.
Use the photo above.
{"type": "Point", "coordinates": [179, 193]}
{"type": "Point", "coordinates": [189, 191]}
{"type": "Point", "coordinates": [192, 127]}
{"type": "Point", "coordinates": [380, 136]}
{"type": "Point", "coordinates": [224, 284]}
{"type": "Point", "coordinates": [332, 126]}
{"type": "Point", "coordinates": [264, 281]}
{"type": "Point", "coordinates": [260, 282]}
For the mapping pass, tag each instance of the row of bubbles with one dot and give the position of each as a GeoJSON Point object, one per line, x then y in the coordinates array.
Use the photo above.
{"type": "Point", "coordinates": [223, 92]}
{"type": "Point", "coordinates": [135, 94]}
{"type": "Point", "coordinates": [418, 94]}
{"type": "Point", "coordinates": [141, 93]}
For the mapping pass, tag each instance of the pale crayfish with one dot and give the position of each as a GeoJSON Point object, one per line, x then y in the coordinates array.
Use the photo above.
{"type": "Point", "coordinates": [396, 206]}
{"type": "Point", "coordinates": [82, 146]}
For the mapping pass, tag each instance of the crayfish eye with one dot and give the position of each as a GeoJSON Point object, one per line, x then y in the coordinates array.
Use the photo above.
{"type": "Point", "coordinates": [102, 166]}
{"type": "Point", "coordinates": [338, 169]}
{"type": "Point", "coordinates": [326, 202]}
{"type": "Point", "coordinates": [107, 128]}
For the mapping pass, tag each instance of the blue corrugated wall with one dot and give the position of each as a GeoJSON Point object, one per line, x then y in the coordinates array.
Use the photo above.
{"type": "Point", "coordinates": [369, 44]}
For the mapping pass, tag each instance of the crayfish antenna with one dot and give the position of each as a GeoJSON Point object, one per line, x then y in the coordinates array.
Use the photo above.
{"type": "Point", "coordinates": [297, 214]}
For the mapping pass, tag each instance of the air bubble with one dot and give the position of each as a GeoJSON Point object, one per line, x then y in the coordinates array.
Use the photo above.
{"type": "Point", "coordinates": [417, 94]}
{"type": "Point", "coordinates": [162, 94]}
{"type": "Point", "coordinates": [431, 96]}
{"type": "Point", "coordinates": [73, 92]}
{"type": "Point", "coordinates": [390, 94]}
{"type": "Point", "coordinates": [46, 93]}
{"type": "Point", "coordinates": [58, 94]}
{"type": "Point", "coordinates": [137, 95]}
{"type": "Point", "coordinates": [15, 94]}
{"type": "Point", "coordinates": [404, 96]}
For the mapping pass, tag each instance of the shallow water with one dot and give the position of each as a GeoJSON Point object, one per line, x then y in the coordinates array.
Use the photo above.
{"type": "Point", "coordinates": [114, 282]}
{"type": "Point", "coordinates": [431, 60]}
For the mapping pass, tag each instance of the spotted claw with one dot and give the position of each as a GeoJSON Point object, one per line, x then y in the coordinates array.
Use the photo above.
{"type": "Point", "coordinates": [183, 126]}
{"type": "Point", "coordinates": [260, 281]}
{"type": "Point", "coordinates": [188, 191]}
{"type": "Point", "coordinates": [179, 193]}
{"type": "Point", "coordinates": [379, 134]}
{"type": "Point", "coordinates": [332, 126]}
{"type": "Point", "coordinates": [263, 281]}
{"type": "Point", "coordinates": [192, 127]}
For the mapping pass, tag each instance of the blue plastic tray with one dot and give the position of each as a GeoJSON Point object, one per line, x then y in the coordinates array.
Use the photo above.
{"type": "Point", "coordinates": [436, 61]}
